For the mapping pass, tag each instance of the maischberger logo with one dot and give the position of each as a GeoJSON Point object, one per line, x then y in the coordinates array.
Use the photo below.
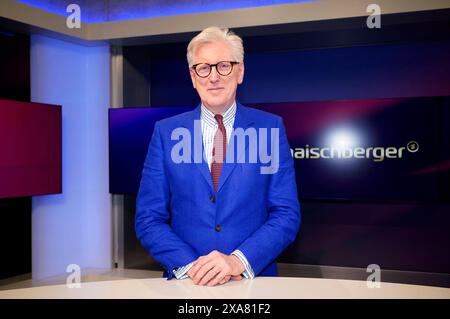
{"type": "Point", "coordinates": [375, 153]}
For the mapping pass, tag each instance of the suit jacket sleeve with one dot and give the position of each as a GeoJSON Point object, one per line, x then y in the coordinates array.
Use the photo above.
{"type": "Point", "coordinates": [282, 224]}
{"type": "Point", "coordinates": [153, 215]}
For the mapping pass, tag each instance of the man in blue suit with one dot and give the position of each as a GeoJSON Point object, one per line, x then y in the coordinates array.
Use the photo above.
{"type": "Point", "coordinates": [211, 206]}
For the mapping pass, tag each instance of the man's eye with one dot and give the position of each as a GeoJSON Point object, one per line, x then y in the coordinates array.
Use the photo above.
{"type": "Point", "coordinates": [224, 66]}
{"type": "Point", "coordinates": [203, 68]}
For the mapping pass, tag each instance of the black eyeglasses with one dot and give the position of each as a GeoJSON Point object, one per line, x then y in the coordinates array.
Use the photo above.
{"type": "Point", "coordinates": [224, 68]}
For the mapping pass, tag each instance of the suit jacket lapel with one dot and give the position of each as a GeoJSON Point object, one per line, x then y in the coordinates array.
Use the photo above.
{"type": "Point", "coordinates": [196, 133]}
{"type": "Point", "coordinates": [242, 121]}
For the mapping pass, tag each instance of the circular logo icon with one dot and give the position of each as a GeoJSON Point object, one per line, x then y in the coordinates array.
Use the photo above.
{"type": "Point", "coordinates": [412, 146]}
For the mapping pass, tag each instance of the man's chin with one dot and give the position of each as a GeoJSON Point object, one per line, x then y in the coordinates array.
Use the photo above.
{"type": "Point", "coordinates": [217, 105]}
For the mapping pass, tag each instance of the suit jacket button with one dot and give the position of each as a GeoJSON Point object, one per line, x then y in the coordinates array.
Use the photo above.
{"type": "Point", "coordinates": [218, 228]}
{"type": "Point", "coordinates": [212, 199]}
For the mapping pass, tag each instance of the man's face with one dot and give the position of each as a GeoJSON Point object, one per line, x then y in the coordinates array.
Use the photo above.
{"type": "Point", "coordinates": [216, 91]}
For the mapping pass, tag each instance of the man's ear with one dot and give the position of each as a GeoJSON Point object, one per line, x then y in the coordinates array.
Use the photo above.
{"type": "Point", "coordinates": [241, 72]}
{"type": "Point", "coordinates": [191, 73]}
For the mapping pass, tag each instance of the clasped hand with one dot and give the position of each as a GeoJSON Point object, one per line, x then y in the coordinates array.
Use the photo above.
{"type": "Point", "coordinates": [216, 268]}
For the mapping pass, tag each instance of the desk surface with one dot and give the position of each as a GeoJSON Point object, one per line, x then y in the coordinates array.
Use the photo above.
{"type": "Point", "coordinates": [259, 288]}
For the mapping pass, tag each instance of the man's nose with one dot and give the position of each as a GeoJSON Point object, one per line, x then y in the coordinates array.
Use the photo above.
{"type": "Point", "coordinates": [214, 76]}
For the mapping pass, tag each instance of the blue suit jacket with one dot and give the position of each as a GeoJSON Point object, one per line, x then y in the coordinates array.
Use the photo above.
{"type": "Point", "coordinates": [178, 211]}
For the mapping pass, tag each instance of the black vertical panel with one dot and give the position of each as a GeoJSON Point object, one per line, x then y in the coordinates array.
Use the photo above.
{"type": "Point", "coordinates": [444, 177]}
{"type": "Point", "coordinates": [135, 256]}
{"type": "Point", "coordinates": [14, 66]}
{"type": "Point", "coordinates": [136, 93]}
{"type": "Point", "coordinates": [15, 236]}
{"type": "Point", "coordinates": [136, 77]}
{"type": "Point", "coordinates": [15, 213]}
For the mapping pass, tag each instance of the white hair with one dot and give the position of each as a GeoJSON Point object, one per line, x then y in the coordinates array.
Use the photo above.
{"type": "Point", "coordinates": [212, 34]}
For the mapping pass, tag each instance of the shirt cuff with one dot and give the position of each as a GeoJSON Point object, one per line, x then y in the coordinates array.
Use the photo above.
{"type": "Point", "coordinates": [248, 273]}
{"type": "Point", "coordinates": [181, 272]}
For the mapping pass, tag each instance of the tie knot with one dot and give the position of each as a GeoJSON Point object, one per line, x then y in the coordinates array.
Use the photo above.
{"type": "Point", "coordinates": [219, 119]}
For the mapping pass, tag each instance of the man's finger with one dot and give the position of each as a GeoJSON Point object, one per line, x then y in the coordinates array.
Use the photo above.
{"type": "Point", "coordinates": [217, 279]}
{"type": "Point", "coordinates": [204, 259]}
{"type": "Point", "coordinates": [202, 271]}
{"type": "Point", "coordinates": [198, 264]}
{"type": "Point", "coordinates": [226, 279]}
{"type": "Point", "coordinates": [212, 273]}
{"type": "Point", "coordinates": [236, 278]}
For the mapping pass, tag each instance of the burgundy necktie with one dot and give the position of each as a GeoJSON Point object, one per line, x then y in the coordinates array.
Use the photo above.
{"type": "Point", "coordinates": [219, 150]}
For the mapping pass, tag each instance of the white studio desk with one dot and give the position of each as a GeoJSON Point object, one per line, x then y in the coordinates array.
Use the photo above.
{"type": "Point", "coordinates": [259, 288]}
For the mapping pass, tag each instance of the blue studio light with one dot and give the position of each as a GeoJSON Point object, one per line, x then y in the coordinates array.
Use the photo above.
{"type": "Point", "coordinates": [94, 11]}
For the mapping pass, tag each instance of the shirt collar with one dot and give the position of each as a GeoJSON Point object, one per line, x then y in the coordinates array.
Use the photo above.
{"type": "Point", "coordinates": [228, 116]}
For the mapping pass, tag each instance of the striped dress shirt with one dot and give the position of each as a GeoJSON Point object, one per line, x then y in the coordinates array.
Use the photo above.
{"type": "Point", "coordinates": [209, 128]}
